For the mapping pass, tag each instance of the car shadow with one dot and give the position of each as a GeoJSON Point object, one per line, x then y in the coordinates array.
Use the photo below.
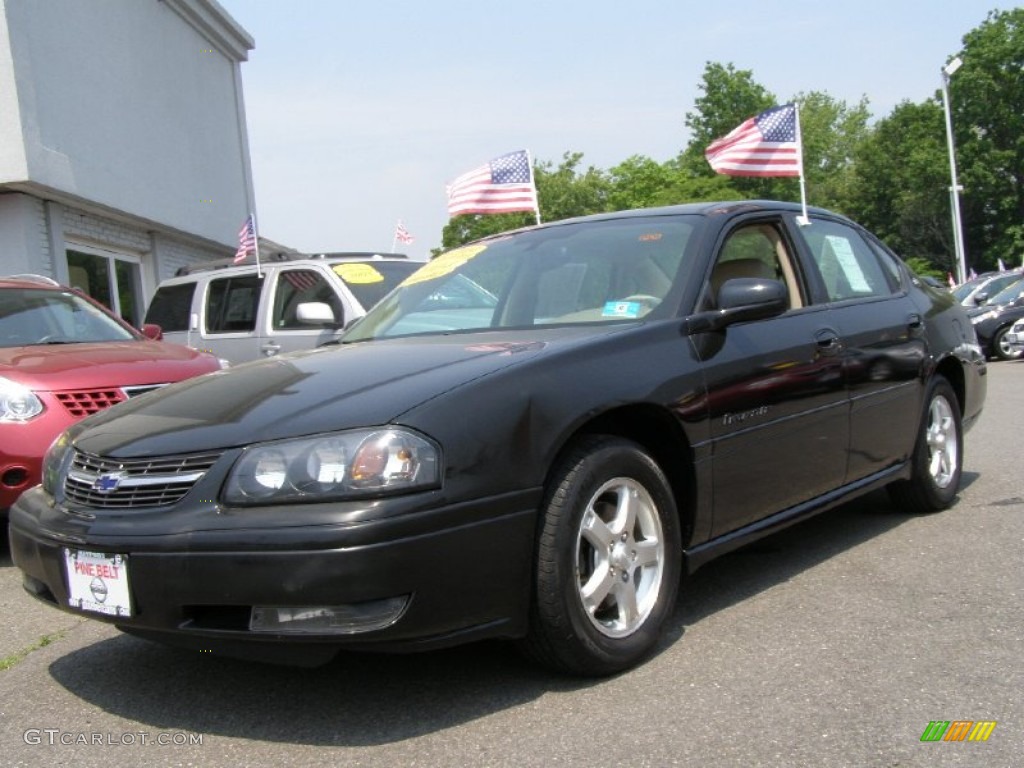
{"type": "Point", "coordinates": [367, 699]}
{"type": "Point", "coordinates": [780, 557]}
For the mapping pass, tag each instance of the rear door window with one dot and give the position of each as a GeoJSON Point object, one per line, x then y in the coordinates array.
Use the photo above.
{"type": "Point", "coordinates": [232, 304]}
{"type": "Point", "coordinates": [171, 307]}
{"type": "Point", "coordinates": [848, 266]}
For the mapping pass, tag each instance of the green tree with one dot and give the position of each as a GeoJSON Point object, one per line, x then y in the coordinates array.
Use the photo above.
{"type": "Point", "coordinates": [729, 96]}
{"type": "Point", "coordinates": [831, 132]}
{"type": "Point", "coordinates": [563, 191]}
{"type": "Point", "coordinates": [900, 186]}
{"type": "Point", "coordinates": [986, 98]}
{"type": "Point", "coordinates": [640, 182]}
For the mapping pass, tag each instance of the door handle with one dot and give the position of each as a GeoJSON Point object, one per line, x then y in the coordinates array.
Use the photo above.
{"type": "Point", "coordinates": [915, 324]}
{"type": "Point", "coordinates": [828, 342]}
{"type": "Point", "coordinates": [270, 349]}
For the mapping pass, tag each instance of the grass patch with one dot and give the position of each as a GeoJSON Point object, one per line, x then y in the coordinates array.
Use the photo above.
{"type": "Point", "coordinates": [9, 661]}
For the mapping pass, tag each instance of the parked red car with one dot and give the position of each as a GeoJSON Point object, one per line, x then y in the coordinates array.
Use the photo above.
{"type": "Point", "coordinates": [63, 357]}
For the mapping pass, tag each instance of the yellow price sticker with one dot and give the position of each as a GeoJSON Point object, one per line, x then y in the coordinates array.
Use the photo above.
{"type": "Point", "coordinates": [444, 264]}
{"type": "Point", "coordinates": [358, 274]}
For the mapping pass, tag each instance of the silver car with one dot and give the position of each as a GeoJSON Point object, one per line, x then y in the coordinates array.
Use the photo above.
{"type": "Point", "coordinates": [977, 292]}
{"type": "Point", "coordinates": [295, 302]}
{"type": "Point", "coordinates": [1015, 337]}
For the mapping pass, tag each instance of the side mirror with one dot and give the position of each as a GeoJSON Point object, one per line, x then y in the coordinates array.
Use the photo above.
{"type": "Point", "coordinates": [981, 299]}
{"type": "Point", "coordinates": [315, 313]}
{"type": "Point", "coordinates": [152, 331]}
{"type": "Point", "coordinates": [739, 301]}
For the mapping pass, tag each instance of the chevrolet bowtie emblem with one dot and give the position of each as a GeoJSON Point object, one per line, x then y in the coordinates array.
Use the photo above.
{"type": "Point", "coordinates": [108, 482]}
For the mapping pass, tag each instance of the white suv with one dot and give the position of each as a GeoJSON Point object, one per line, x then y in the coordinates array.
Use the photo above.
{"type": "Point", "coordinates": [1015, 337]}
{"type": "Point", "coordinates": [294, 302]}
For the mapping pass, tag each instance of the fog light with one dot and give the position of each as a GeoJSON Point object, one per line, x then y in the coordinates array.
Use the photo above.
{"type": "Point", "coordinates": [14, 477]}
{"type": "Point", "coordinates": [345, 619]}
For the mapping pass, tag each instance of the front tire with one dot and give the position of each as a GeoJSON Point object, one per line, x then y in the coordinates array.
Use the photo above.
{"type": "Point", "coordinates": [608, 560]}
{"type": "Point", "coordinates": [938, 455]}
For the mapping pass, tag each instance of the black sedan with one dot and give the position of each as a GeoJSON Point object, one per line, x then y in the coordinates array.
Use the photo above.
{"type": "Point", "coordinates": [993, 321]}
{"type": "Point", "coordinates": [619, 399]}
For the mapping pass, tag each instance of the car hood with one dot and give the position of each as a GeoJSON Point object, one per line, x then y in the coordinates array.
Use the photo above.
{"type": "Point", "coordinates": [57, 367]}
{"type": "Point", "coordinates": [332, 388]}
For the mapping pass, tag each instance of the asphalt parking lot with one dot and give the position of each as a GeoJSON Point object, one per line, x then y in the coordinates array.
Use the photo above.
{"type": "Point", "coordinates": [835, 643]}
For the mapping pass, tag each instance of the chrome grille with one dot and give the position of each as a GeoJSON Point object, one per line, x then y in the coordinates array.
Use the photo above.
{"type": "Point", "coordinates": [141, 389]}
{"type": "Point", "coordinates": [104, 483]}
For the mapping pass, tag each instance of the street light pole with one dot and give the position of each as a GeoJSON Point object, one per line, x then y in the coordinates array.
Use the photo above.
{"type": "Point", "coordinates": [954, 190]}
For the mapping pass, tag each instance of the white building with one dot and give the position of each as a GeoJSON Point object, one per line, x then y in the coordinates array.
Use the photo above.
{"type": "Point", "coordinates": [123, 146]}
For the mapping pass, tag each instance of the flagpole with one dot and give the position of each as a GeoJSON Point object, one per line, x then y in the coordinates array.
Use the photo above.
{"type": "Point", "coordinates": [256, 243]}
{"type": "Point", "coordinates": [533, 183]}
{"type": "Point", "coordinates": [802, 220]}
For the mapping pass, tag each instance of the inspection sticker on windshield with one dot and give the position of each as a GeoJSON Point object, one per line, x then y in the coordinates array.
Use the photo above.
{"type": "Point", "coordinates": [98, 582]}
{"type": "Point", "coordinates": [621, 309]}
{"type": "Point", "coordinates": [358, 274]}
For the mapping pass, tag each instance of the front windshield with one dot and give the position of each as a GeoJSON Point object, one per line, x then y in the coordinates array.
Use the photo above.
{"type": "Point", "coordinates": [589, 272]}
{"type": "Point", "coordinates": [1010, 293]}
{"type": "Point", "coordinates": [31, 316]}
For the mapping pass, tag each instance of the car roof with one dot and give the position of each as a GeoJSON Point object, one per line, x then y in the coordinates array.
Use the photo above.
{"type": "Point", "coordinates": [709, 208]}
{"type": "Point", "coordinates": [228, 266]}
{"type": "Point", "coordinates": [31, 281]}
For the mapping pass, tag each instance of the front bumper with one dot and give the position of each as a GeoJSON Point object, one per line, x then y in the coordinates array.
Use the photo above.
{"type": "Point", "coordinates": [466, 570]}
{"type": "Point", "coordinates": [23, 448]}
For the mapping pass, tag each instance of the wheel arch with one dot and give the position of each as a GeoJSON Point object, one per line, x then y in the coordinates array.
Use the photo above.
{"type": "Point", "coordinates": [658, 433]}
{"type": "Point", "coordinates": [952, 370]}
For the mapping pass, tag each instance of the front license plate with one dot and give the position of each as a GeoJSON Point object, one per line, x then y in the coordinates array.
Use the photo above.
{"type": "Point", "coordinates": [98, 582]}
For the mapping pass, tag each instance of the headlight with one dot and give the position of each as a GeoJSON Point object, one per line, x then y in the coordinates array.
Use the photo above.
{"type": "Point", "coordinates": [17, 402]}
{"type": "Point", "coordinates": [356, 464]}
{"type": "Point", "coordinates": [53, 461]}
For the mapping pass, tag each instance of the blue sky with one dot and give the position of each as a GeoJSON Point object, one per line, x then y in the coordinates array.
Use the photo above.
{"type": "Point", "coordinates": [359, 113]}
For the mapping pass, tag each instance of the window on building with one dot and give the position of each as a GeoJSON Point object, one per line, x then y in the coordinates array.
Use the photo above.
{"type": "Point", "coordinates": [112, 279]}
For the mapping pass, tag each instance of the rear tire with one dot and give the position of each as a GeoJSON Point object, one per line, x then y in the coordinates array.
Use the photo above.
{"type": "Point", "coordinates": [608, 560]}
{"type": "Point", "coordinates": [938, 456]}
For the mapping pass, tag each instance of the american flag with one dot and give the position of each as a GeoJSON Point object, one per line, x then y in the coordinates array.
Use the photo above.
{"type": "Point", "coordinates": [503, 185]}
{"type": "Point", "coordinates": [302, 280]}
{"type": "Point", "coordinates": [246, 239]}
{"type": "Point", "coordinates": [765, 145]}
{"type": "Point", "coordinates": [402, 234]}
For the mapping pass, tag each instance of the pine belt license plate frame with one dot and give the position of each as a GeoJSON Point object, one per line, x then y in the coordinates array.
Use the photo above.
{"type": "Point", "coordinates": [98, 582]}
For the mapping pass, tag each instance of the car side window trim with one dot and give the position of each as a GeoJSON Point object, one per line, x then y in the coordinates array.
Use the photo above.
{"type": "Point", "coordinates": [769, 252]}
{"type": "Point", "coordinates": [845, 263]}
